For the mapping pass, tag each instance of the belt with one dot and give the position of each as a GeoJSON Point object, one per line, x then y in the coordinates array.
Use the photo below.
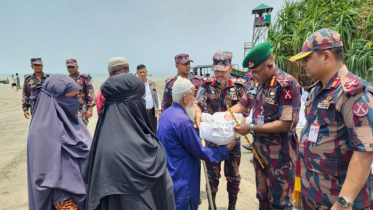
{"type": "Point", "coordinates": [150, 110]}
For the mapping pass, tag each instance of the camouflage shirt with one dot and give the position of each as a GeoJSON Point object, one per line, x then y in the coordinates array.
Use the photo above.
{"type": "Point", "coordinates": [167, 95]}
{"type": "Point", "coordinates": [30, 86]}
{"type": "Point", "coordinates": [213, 98]}
{"type": "Point", "coordinates": [87, 96]}
{"type": "Point", "coordinates": [277, 99]}
{"type": "Point", "coordinates": [343, 110]}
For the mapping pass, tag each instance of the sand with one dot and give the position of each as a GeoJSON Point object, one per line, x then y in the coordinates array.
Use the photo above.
{"type": "Point", "coordinates": [13, 170]}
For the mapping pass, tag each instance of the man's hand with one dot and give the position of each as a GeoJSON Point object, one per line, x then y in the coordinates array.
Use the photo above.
{"type": "Point", "coordinates": [338, 207]}
{"type": "Point", "coordinates": [27, 114]}
{"type": "Point", "coordinates": [231, 145]}
{"type": "Point", "coordinates": [88, 114]}
{"type": "Point", "coordinates": [159, 113]}
{"type": "Point", "coordinates": [243, 129]}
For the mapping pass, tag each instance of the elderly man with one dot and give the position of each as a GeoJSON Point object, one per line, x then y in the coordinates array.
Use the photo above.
{"type": "Point", "coordinates": [117, 65]}
{"type": "Point", "coordinates": [183, 147]}
{"type": "Point", "coordinates": [87, 96]}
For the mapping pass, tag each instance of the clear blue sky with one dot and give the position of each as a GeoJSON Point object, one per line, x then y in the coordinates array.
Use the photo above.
{"type": "Point", "coordinates": [148, 32]}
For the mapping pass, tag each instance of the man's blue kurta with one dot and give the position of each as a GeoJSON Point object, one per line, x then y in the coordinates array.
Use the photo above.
{"type": "Point", "coordinates": [184, 152]}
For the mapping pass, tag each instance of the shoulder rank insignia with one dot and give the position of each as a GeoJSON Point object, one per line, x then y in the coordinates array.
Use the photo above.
{"type": "Point", "coordinates": [273, 81]}
{"type": "Point", "coordinates": [336, 82]}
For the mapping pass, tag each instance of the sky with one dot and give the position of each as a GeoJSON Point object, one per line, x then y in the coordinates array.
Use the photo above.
{"type": "Point", "coordinates": [143, 31]}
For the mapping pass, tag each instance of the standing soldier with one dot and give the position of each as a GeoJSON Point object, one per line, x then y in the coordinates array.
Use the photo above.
{"type": "Point", "coordinates": [182, 64]}
{"type": "Point", "coordinates": [214, 95]}
{"type": "Point", "coordinates": [336, 143]}
{"type": "Point", "coordinates": [31, 83]}
{"type": "Point", "coordinates": [275, 104]}
{"type": "Point", "coordinates": [87, 96]}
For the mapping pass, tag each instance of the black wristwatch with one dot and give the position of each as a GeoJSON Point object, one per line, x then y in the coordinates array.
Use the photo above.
{"type": "Point", "coordinates": [343, 202]}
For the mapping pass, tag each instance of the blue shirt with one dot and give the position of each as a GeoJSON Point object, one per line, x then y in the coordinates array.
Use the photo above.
{"type": "Point", "coordinates": [184, 150]}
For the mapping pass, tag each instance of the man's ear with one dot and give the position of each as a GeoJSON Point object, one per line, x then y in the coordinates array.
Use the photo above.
{"type": "Point", "coordinates": [327, 56]}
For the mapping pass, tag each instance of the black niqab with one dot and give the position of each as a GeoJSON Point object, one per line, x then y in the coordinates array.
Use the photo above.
{"type": "Point", "coordinates": [126, 157]}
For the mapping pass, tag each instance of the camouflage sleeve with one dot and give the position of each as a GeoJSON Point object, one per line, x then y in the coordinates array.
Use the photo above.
{"type": "Point", "coordinates": [201, 97]}
{"type": "Point", "coordinates": [289, 102]}
{"type": "Point", "coordinates": [357, 114]}
{"type": "Point", "coordinates": [167, 98]}
{"type": "Point", "coordinates": [245, 100]}
{"type": "Point", "coordinates": [25, 96]}
{"type": "Point", "coordinates": [89, 94]}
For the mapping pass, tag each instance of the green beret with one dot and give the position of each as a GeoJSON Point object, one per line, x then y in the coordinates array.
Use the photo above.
{"type": "Point", "coordinates": [257, 55]}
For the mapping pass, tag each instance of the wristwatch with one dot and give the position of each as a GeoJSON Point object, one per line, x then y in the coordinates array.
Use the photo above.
{"type": "Point", "coordinates": [343, 202]}
{"type": "Point", "coordinates": [252, 128]}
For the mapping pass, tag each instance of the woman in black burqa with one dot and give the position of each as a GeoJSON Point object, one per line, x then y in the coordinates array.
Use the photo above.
{"type": "Point", "coordinates": [126, 168]}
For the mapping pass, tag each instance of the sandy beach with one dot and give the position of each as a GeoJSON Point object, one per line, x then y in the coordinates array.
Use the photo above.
{"type": "Point", "coordinates": [13, 170]}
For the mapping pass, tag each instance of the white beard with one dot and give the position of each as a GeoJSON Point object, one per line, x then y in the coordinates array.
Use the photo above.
{"type": "Point", "coordinates": [190, 112]}
{"type": "Point", "coordinates": [222, 81]}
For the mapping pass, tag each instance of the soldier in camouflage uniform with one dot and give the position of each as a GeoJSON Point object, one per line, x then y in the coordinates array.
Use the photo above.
{"type": "Point", "coordinates": [32, 82]}
{"type": "Point", "coordinates": [336, 143]}
{"type": "Point", "coordinates": [275, 104]}
{"type": "Point", "coordinates": [87, 96]}
{"type": "Point", "coordinates": [182, 64]}
{"type": "Point", "coordinates": [214, 95]}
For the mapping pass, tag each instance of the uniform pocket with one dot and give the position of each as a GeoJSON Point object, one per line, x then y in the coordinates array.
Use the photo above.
{"type": "Point", "coordinates": [270, 112]}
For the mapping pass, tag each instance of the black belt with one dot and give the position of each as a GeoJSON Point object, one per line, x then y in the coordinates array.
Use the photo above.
{"type": "Point", "coordinates": [150, 110]}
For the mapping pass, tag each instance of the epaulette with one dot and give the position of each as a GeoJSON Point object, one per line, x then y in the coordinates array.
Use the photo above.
{"type": "Point", "coordinates": [170, 79]}
{"type": "Point", "coordinates": [239, 81]}
{"type": "Point", "coordinates": [352, 85]}
{"type": "Point", "coordinates": [85, 75]}
{"type": "Point", "coordinates": [27, 76]}
{"type": "Point", "coordinates": [284, 81]}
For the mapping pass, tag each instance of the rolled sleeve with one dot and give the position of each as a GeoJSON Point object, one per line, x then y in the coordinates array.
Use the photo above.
{"type": "Point", "coordinates": [288, 109]}
{"type": "Point", "coordinates": [360, 129]}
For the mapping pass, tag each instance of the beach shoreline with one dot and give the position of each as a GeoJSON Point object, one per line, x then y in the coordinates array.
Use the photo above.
{"type": "Point", "coordinates": [13, 168]}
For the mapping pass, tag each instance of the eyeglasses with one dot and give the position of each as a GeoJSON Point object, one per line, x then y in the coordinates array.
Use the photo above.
{"type": "Point", "coordinates": [257, 72]}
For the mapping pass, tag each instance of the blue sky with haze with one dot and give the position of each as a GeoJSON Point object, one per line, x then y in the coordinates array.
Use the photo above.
{"type": "Point", "coordinates": [148, 32]}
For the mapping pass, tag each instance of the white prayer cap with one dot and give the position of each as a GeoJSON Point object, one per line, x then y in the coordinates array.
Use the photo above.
{"type": "Point", "coordinates": [181, 85]}
{"type": "Point", "coordinates": [117, 61]}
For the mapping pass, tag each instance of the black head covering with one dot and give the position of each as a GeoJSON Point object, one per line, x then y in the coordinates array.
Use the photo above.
{"type": "Point", "coordinates": [126, 157]}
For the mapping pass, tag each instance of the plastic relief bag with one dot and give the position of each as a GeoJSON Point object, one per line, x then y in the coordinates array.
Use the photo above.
{"type": "Point", "coordinates": [218, 128]}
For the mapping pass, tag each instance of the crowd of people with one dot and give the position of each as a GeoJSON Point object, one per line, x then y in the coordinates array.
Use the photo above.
{"type": "Point", "coordinates": [131, 162]}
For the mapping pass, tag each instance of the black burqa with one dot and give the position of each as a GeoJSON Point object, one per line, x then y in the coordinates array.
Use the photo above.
{"type": "Point", "coordinates": [126, 167]}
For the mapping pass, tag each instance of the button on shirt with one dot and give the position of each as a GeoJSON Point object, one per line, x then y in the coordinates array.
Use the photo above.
{"type": "Point", "coordinates": [149, 97]}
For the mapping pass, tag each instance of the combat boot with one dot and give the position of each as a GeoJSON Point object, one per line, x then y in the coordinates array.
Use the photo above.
{"type": "Point", "coordinates": [213, 202]}
{"type": "Point", "coordinates": [232, 202]}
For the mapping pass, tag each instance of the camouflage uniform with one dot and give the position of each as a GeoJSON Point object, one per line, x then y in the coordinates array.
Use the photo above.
{"type": "Point", "coordinates": [343, 111]}
{"type": "Point", "coordinates": [213, 98]}
{"type": "Point", "coordinates": [30, 86]}
{"type": "Point", "coordinates": [87, 96]}
{"type": "Point", "coordinates": [167, 95]}
{"type": "Point", "coordinates": [277, 99]}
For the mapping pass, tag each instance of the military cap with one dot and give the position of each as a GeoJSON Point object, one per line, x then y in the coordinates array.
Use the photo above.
{"type": "Point", "coordinates": [222, 61]}
{"type": "Point", "coordinates": [71, 62]}
{"type": "Point", "coordinates": [36, 61]}
{"type": "Point", "coordinates": [182, 59]}
{"type": "Point", "coordinates": [322, 39]}
{"type": "Point", "coordinates": [117, 61]}
{"type": "Point", "coordinates": [257, 55]}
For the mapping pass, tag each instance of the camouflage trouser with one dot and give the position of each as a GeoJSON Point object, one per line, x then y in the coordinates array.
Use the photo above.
{"type": "Point", "coordinates": [81, 114]}
{"type": "Point", "coordinates": [309, 204]}
{"type": "Point", "coordinates": [274, 186]}
{"type": "Point", "coordinates": [231, 172]}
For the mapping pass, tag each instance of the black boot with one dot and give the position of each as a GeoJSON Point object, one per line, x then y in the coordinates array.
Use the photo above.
{"type": "Point", "coordinates": [232, 202]}
{"type": "Point", "coordinates": [213, 202]}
